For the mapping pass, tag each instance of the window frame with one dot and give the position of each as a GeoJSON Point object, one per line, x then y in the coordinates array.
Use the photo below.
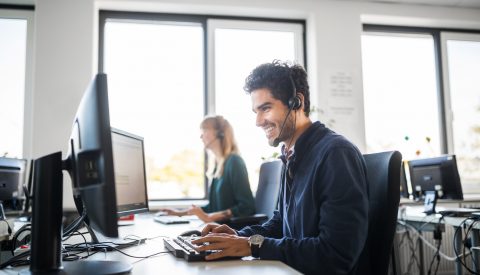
{"type": "Point", "coordinates": [207, 21]}
{"type": "Point", "coordinates": [445, 36]}
{"type": "Point", "coordinates": [26, 12]}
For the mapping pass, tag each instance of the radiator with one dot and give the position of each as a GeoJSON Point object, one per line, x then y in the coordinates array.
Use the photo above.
{"type": "Point", "coordinates": [406, 262]}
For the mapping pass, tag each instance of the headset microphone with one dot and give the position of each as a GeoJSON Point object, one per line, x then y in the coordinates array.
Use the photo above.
{"type": "Point", "coordinates": [276, 141]}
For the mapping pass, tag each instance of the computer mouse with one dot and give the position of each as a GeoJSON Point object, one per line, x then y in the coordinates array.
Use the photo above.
{"type": "Point", "coordinates": [192, 232]}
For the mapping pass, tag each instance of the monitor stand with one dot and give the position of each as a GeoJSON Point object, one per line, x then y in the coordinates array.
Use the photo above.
{"type": "Point", "coordinates": [46, 252]}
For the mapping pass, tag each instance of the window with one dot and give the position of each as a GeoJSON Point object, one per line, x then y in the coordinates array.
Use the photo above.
{"type": "Point", "coordinates": [257, 43]}
{"type": "Point", "coordinates": [424, 81]}
{"type": "Point", "coordinates": [400, 94]}
{"type": "Point", "coordinates": [167, 71]}
{"type": "Point", "coordinates": [463, 64]}
{"type": "Point", "coordinates": [155, 72]}
{"type": "Point", "coordinates": [14, 81]}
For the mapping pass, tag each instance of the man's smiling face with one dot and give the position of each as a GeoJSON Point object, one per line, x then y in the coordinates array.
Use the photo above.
{"type": "Point", "coordinates": [270, 115]}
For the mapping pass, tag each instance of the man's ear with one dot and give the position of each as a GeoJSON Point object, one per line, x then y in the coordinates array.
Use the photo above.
{"type": "Point", "coordinates": [302, 100]}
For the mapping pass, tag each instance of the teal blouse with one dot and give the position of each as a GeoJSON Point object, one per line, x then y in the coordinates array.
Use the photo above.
{"type": "Point", "coordinates": [232, 190]}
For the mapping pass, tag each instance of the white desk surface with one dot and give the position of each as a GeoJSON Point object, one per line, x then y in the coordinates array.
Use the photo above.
{"type": "Point", "coordinates": [415, 214]}
{"type": "Point", "coordinates": [145, 227]}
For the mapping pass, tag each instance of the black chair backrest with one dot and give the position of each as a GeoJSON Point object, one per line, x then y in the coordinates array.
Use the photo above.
{"type": "Point", "coordinates": [268, 187]}
{"type": "Point", "coordinates": [383, 173]}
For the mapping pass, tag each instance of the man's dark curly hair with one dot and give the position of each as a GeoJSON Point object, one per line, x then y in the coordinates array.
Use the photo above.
{"type": "Point", "coordinates": [277, 77]}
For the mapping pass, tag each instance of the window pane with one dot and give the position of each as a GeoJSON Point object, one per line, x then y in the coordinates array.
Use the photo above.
{"type": "Point", "coordinates": [13, 33]}
{"type": "Point", "coordinates": [237, 52]}
{"type": "Point", "coordinates": [463, 69]}
{"type": "Point", "coordinates": [400, 93]}
{"type": "Point", "coordinates": [155, 73]}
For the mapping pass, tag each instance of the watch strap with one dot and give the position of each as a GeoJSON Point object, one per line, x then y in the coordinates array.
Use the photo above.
{"type": "Point", "coordinates": [255, 248]}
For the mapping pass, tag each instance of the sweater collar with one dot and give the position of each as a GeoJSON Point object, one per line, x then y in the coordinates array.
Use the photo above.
{"type": "Point", "coordinates": [311, 135]}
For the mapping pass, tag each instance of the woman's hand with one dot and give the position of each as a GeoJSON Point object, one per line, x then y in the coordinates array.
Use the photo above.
{"type": "Point", "coordinates": [172, 212]}
{"type": "Point", "coordinates": [197, 211]}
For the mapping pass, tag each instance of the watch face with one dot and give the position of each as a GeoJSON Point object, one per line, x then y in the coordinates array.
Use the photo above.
{"type": "Point", "coordinates": [256, 239]}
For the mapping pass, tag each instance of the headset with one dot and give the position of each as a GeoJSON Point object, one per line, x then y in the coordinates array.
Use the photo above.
{"type": "Point", "coordinates": [294, 102]}
{"type": "Point", "coordinates": [218, 128]}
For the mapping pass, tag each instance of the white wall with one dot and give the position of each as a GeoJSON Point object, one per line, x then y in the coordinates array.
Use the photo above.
{"type": "Point", "coordinates": [66, 51]}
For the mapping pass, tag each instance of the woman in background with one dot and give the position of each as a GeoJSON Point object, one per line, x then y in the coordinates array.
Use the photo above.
{"type": "Point", "coordinates": [229, 194]}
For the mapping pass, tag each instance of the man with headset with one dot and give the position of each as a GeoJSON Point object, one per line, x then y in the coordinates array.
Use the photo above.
{"type": "Point", "coordinates": [321, 224]}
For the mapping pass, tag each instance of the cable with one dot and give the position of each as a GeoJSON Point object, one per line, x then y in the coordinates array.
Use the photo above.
{"type": "Point", "coordinates": [156, 237]}
{"type": "Point", "coordinates": [75, 224]}
{"type": "Point", "coordinates": [462, 262]}
{"type": "Point", "coordinates": [427, 243]}
{"type": "Point", "coordinates": [412, 248]}
{"type": "Point", "coordinates": [437, 257]}
{"type": "Point", "coordinates": [139, 257]}
{"type": "Point", "coordinates": [437, 235]}
{"type": "Point", "coordinates": [15, 259]}
{"type": "Point", "coordinates": [24, 228]}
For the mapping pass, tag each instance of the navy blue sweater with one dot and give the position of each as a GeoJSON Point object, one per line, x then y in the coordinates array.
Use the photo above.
{"type": "Point", "coordinates": [321, 223]}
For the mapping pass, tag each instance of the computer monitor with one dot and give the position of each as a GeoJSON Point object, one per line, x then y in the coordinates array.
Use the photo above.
{"type": "Point", "coordinates": [130, 178]}
{"type": "Point", "coordinates": [404, 190]}
{"type": "Point", "coordinates": [12, 178]}
{"type": "Point", "coordinates": [436, 174]}
{"type": "Point", "coordinates": [91, 167]}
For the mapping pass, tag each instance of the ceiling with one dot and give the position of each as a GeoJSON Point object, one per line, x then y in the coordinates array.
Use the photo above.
{"type": "Point", "coordinates": [443, 3]}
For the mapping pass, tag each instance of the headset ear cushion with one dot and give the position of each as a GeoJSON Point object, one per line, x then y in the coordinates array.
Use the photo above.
{"type": "Point", "coordinates": [220, 135]}
{"type": "Point", "coordinates": [295, 103]}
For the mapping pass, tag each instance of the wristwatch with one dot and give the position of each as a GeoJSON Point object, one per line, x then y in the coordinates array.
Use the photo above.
{"type": "Point", "coordinates": [255, 242]}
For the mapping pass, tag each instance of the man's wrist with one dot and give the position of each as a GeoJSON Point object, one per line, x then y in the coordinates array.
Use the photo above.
{"type": "Point", "coordinates": [255, 242]}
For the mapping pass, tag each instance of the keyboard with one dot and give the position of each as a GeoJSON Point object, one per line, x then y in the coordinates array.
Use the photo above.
{"type": "Point", "coordinates": [170, 220]}
{"type": "Point", "coordinates": [182, 247]}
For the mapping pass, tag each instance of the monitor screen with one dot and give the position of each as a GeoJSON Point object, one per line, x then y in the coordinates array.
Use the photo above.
{"type": "Point", "coordinates": [130, 180]}
{"type": "Point", "coordinates": [436, 174]}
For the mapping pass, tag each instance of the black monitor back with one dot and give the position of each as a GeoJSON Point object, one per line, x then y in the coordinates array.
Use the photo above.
{"type": "Point", "coordinates": [12, 178]}
{"type": "Point", "coordinates": [436, 174]}
{"type": "Point", "coordinates": [91, 159]}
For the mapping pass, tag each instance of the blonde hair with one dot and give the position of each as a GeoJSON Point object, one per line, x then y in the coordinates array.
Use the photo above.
{"type": "Point", "coordinates": [224, 133]}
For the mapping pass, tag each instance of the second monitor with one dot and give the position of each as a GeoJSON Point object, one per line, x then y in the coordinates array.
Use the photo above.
{"type": "Point", "coordinates": [436, 174]}
{"type": "Point", "coordinates": [129, 167]}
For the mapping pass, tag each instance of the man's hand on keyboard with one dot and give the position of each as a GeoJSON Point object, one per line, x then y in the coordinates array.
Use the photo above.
{"type": "Point", "coordinates": [217, 228]}
{"type": "Point", "coordinates": [226, 245]}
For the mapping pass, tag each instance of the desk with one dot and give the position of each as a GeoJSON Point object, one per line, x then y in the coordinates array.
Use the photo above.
{"type": "Point", "coordinates": [423, 223]}
{"type": "Point", "coordinates": [145, 227]}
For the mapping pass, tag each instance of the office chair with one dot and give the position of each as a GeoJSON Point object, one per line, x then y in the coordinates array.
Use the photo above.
{"type": "Point", "coordinates": [383, 173]}
{"type": "Point", "coordinates": [266, 197]}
